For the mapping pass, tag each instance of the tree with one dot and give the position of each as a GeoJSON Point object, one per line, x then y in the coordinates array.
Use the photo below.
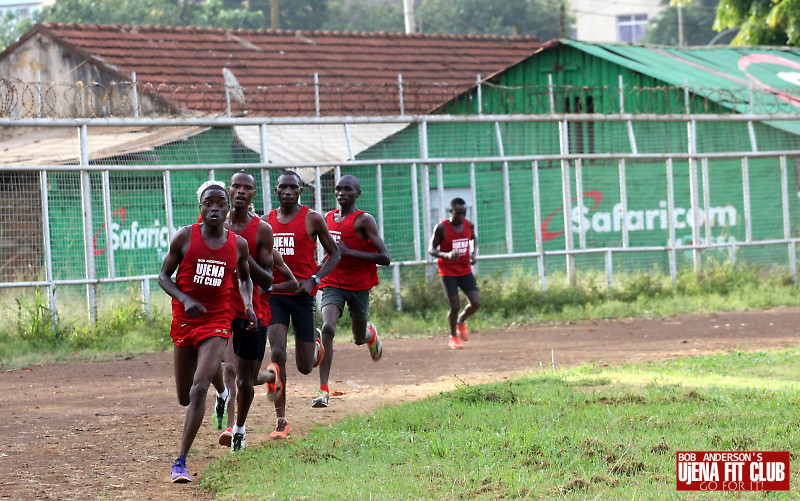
{"type": "Point", "coordinates": [365, 15]}
{"type": "Point", "coordinates": [152, 12]}
{"type": "Point", "coordinates": [295, 14]}
{"type": "Point", "coordinates": [698, 19]}
{"type": "Point", "coordinates": [541, 18]}
{"type": "Point", "coordinates": [12, 27]}
{"type": "Point", "coordinates": [761, 22]}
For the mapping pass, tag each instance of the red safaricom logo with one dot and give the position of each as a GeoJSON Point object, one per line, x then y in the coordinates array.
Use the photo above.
{"type": "Point", "coordinates": [597, 196]}
{"type": "Point", "coordinates": [119, 212]}
{"type": "Point", "coordinates": [137, 236]}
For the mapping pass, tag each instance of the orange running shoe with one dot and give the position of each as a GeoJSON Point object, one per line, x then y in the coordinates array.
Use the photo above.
{"type": "Point", "coordinates": [226, 436]}
{"type": "Point", "coordinates": [320, 349]}
{"type": "Point", "coordinates": [275, 388]}
{"type": "Point", "coordinates": [281, 430]}
{"type": "Point", "coordinates": [463, 333]}
{"type": "Point", "coordinates": [455, 343]}
{"type": "Point", "coordinates": [375, 346]}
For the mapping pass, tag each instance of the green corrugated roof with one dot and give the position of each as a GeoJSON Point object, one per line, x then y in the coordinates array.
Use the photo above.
{"type": "Point", "coordinates": [707, 69]}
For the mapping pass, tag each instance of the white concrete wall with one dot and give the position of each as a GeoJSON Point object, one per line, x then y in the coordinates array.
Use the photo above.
{"type": "Point", "coordinates": [596, 20]}
{"type": "Point", "coordinates": [23, 8]}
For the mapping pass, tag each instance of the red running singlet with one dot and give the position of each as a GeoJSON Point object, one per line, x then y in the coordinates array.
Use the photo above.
{"type": "Point", "coordinates": [206, 275]}
{"type": "Point", "coordinates": [250, 235]}
{"type": "Point", "coordinates": [459, 242]}
{"type": "Point", "coordinates": [296, 248]}
{"type": "Point", "coordinates": [351, 273]}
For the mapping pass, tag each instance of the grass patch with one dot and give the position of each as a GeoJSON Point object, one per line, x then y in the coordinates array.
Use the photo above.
{"type": "Point", "coordinates": [582, 433]}
{"type": "Point", "coordinates": [123, 329]}
{"type": "Point", "coordinates": [28, 333]}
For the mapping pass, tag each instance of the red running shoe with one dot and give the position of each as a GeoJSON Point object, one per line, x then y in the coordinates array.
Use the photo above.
{"type": "Point", "coordinates": [455, 343]}
{"type": "Point", "coordinates": [463, 333]}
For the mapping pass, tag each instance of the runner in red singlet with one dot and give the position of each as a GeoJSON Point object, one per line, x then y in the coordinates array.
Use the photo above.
{"type": "Point", "coordinates": [296, 229]}
{"type": "Point", "coordinates": [246, 349]}
{"type": "Point", "coordinates": [455, 244]}
{"type": "Point", "coordinates": [362, 249]}
{"type": "Point", "coordinates": [206, 256]}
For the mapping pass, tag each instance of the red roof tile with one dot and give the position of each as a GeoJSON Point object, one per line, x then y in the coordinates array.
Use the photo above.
{"type": "Point", "coordinates": [358, 72]}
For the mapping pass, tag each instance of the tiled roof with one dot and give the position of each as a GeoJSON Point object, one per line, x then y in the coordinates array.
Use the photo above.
{"type": "Point", "coordinates": [358, 72]}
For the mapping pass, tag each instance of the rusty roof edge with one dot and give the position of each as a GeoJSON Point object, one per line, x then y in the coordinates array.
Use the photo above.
{"type": "Point", "coordinates": [296, 33]}
{"type": "Point", "coordinates": [24, 38]}
{"type": "Point", "coordinates": [118, 72]}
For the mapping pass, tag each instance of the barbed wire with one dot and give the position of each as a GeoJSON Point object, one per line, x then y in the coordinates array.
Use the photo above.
{"type": "Point", "coordinates": [20, 99]}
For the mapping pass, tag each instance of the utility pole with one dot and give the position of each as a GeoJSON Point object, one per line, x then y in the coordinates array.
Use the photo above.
{"type": "Point", "coordinates": [562, 21]}
{"type": "Point", "coordinates": [680, 24]}
{"type": "Point", "coordinates": [275, 14]}
{"type": "Point", "coordinates": [408, 11]}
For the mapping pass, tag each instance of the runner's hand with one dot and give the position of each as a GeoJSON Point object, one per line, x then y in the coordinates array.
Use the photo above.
{"type": "Point", "coordinates": [251, 316]}
{"type": "Point", "coordinates": [193, 308]}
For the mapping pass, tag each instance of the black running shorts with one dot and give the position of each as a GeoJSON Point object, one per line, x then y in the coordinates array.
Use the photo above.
{"type": "Point", "coordinates": [249, 345]}
{"type": "Point", "coordinates": [357, 301]}
{"type": "Point", "coordinates": [300, 309]}
{"type": "Point", "coordinates": [466, 283]}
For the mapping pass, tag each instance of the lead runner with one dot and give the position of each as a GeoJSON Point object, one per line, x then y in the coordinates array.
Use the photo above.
{"type": "Point", "coordinates": [206, 255]}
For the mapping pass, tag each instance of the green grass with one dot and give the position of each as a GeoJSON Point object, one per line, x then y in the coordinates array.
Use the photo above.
{"type": "Point", "coordinates": [516, 298]}
{"type": "Point", "coordinates": [579, 433]}
{"type": "Point", "coordinates": [29, 333]}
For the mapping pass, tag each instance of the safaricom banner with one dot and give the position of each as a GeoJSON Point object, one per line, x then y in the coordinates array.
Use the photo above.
{"type": "Point", "coordinates": [654, 218]}
{"type": "Point", "coordinates": [132, 234]}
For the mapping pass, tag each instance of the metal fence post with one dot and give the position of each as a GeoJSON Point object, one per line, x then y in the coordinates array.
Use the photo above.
{"type": "Point", "coordinates": [48, 250]}
{"type": "Point", "coordinates": [566, 198]}
{"type": "Point", "coordinates": [398, 297]}
{"type": "Point", "coordinates": [88, 230]}
{"type": "Point", "coordinates": [400, 94]}
{"type": "Point", "coordinates": [748, 228]}
{"type": "Point", "coordinates": [266, 185]}
{"type": "Point", "coordinates": [379, 183]}
{"type": "Point", "coordinates": [107, 210]}
{"type": "Point", "coordinates": [673, 265]}
{"type": "Point", "coordinates": [416, 216]}
{"type": "Point", "coordinates": [537, 221]}
{"type": "Point", "coordinates": [506, 191]}
{"type": "Point", "coordinates": [787, 228]}
{"type": "Point", "coordinates": [148, 309]}
{"type": "Point", "coordinates": [694, 193]}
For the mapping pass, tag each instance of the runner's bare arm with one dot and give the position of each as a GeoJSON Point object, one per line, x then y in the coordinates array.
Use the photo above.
{"type": "Point", "coordinates": [367, 229]}
{"type": "Point", "coordinates": [436, 239]}
{"type": "Point", "coordinates": [473, 257]}
{"type": "Point", "coordinates": [291, 284]}
{"type": "Point", "coordinates": [245, 283]}
{"type": "Point", "coordinates": [316, 226]}
{"type": "Point", "coordinates": [261, 267]}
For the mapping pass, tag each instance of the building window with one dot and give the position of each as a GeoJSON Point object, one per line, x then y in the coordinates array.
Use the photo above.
{"type": "Point", "coordinates": [631, 28]}
{"type": "Point", "coordinates": [23, 12]}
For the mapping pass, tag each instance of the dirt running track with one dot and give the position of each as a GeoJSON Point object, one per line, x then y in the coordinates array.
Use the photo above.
{"type": "Point", "coordinates": [111, 429]}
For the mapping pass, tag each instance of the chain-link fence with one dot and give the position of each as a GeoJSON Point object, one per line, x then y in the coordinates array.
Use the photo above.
{"type": "Point", "coordinates": [90, 205]}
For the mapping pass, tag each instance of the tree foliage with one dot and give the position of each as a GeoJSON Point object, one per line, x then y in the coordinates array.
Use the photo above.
{"type": "Point", "coordinates": [541, 18]}
{"type": "Point", "coordinates": [761, 22]}
{"type": "Point", "coordinates": [476, 17]}
{"type": "Point", "coordinates": [698, 19]}
{"type": "Point", "coordinates": [365, 15]}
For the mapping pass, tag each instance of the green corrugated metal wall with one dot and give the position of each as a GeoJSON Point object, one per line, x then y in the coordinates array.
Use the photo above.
{"type": "Point", "coordinates": [578, 75]}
